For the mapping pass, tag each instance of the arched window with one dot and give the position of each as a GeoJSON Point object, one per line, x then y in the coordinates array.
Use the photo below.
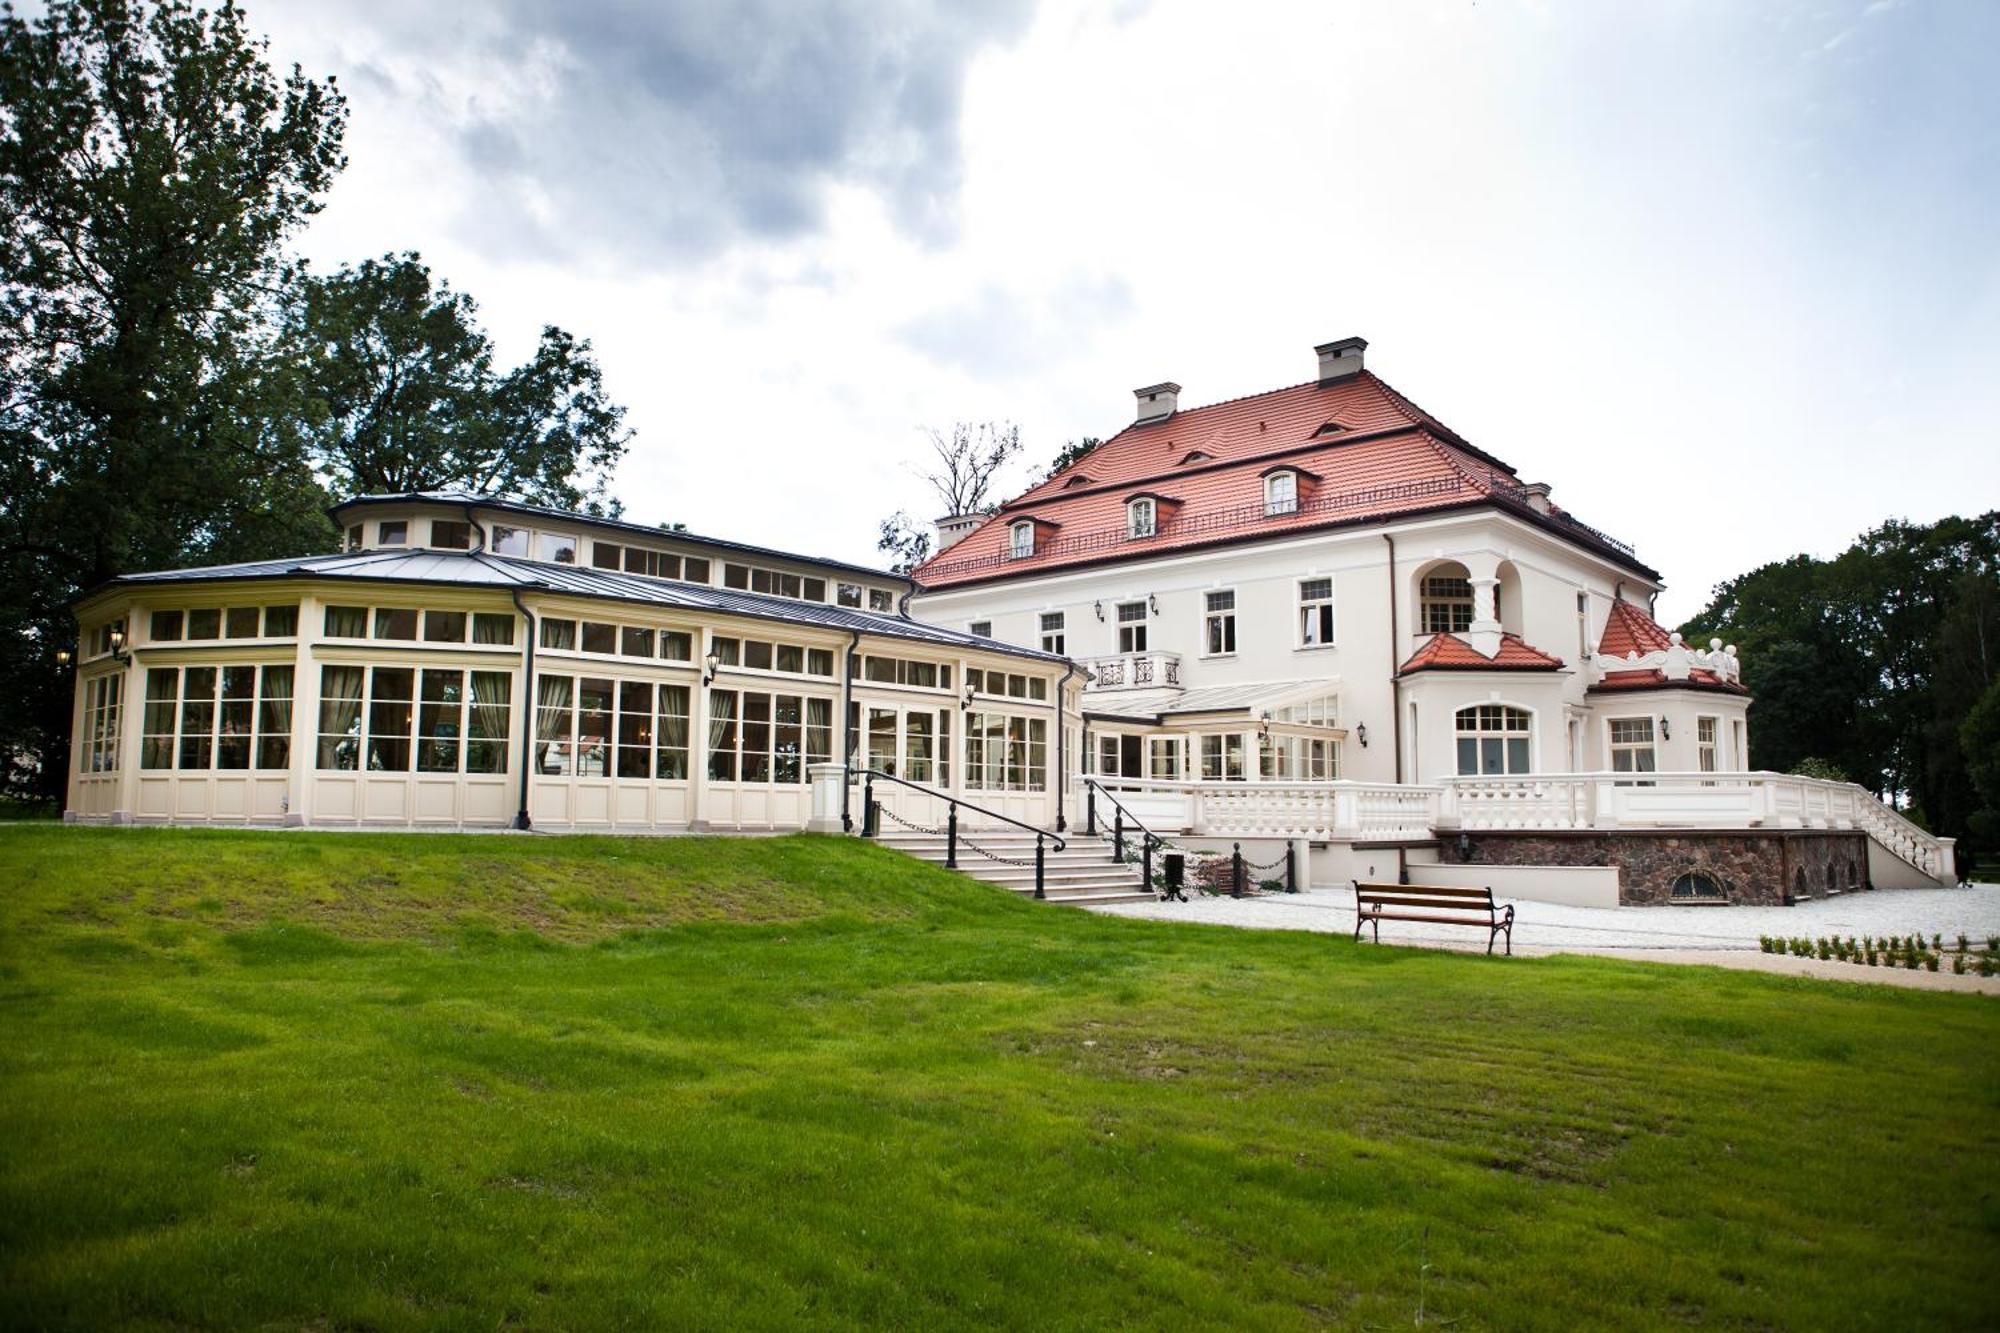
{"type": "Point", "coordinates": [1493, 739]}
{"type": "Point", "coordinates": [1695, 885]}
{"type": "Point", "coordinates": [1281, 493]}
{"type": "Point", "coordinates": [1024, 540]}
{"type": "Point", "coordinates": [1444, 600]}
{"type": "Point", "coordinates": [1141, 518]}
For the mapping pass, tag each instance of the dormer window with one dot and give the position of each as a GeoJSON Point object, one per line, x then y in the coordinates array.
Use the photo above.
{"type": "Point", "coordinates": [1196, 456]}
{"type": "Point", "coordinates": [1023, 540]}
{"type": "Point", "coordinates": [1281, 493]}
{"type": "Point", "coordinates": [1078, 480]}
{"type": "Point", "coordinates": [1142, 517]}
{"type": "Point", "coordinates": [394, 532]}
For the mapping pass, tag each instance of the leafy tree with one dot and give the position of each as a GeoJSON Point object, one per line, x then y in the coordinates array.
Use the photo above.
{"type": "Point", "coordinates": [1072, 453]}
{"type": "Point", "coordinates": [404, 395]}
{"type": "Point", "coordinates": [1873, 660]}
{"type": "Point", "coordinates": [151, 166]}
{"type": "Point", "coordinates": [965, 462]}
{"type": "Point", "coordinates": [907, 542]}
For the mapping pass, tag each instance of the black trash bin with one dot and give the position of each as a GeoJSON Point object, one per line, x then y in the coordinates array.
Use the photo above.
{"type": "Point", "coordinates": [1175, 871]}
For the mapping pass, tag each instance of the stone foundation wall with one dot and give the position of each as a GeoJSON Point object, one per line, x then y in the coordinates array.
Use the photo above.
{"type": "Point", "coordinates": [1750, 867]}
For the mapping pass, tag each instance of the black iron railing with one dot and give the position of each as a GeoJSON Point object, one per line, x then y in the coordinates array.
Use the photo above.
{"type": "Point", "coordinates": [1149, 841]}
{"type": "Point", "coordinates": [873, 810]}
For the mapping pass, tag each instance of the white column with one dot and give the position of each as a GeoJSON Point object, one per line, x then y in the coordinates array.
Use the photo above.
{"type": "Point", "coordinates": [305, 715]}
{"type": "Point", "coordinates": [829, 782]}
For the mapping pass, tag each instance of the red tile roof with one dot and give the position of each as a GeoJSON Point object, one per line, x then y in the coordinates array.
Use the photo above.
{"type": "Point", "coordinates": [1627, 630]}
{"type": "Point", "coordinates": [1389, 458]}
{"type": "Point", "coordinates": [1448, 652]}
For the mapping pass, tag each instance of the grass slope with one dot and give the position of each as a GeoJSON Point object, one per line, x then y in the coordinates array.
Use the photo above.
{"type": "Point", "coordinates": [459, 1081]}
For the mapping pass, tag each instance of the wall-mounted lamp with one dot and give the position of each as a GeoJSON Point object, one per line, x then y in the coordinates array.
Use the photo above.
{"type": "Point", "coordinates": [1361, 733]}
{"type": "Point", "coordinates": [713, 663]}
{"type": "Point", "coordinates": [1665, 733]}
{"type": "Point", "coordinates": [117, 638]}
{"type": "Point", "coordinates": [965, 700]}
{"type": "Point", "coordinates": [1152, 604]}
{"type": "Point", "coordinates": [1099, 608]}
{"type": "Point", "coordinates": [1264, 724]}
{"type": "Point", "coordinates": [63, 657]}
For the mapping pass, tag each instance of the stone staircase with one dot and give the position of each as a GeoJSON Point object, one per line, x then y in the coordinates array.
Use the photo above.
{"type": "Point", "coordinates": [1082, 874]}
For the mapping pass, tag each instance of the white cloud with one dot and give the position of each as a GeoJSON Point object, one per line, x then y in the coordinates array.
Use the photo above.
{"type": "Point", "coordinates": [1732, 305]}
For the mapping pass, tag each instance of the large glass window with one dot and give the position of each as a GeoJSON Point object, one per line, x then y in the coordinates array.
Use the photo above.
{"type": "Point", "coordinates": [1023, 540]}
{"type": "Point", "coordinates": [1493, 739]}
{"type": "Point", "coordinates": [215, 717]}
{"type": "Point", "coordinates": [558, 548]}
{"type": "Point", "coordinates": [1054, 638]}
{"type": "Point", "coordinates": [1141, 518]}
{"type": "Point", "coordinates": [768, 738]}
{"type": "Point", "coordinates": [1005, 753]}
{"type": "Point", "coordinates": [1219, 623]}
{"type": "Point", "coordinates": [1298, 759]}
{"type": "Point", "coordinates": [102, 698]}
{"type": "Point", "coordinates": [509, 540]}
{"type": "Point", "coordinates": [340, 692]}
{"type": "Point", "coordinates": [391, 714]}
{"type": "Point", "coordinates": [1222, 757]}
{"type": "Point", "coordinates": [1704, 744]}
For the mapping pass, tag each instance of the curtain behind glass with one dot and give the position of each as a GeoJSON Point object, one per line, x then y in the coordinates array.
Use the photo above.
{"type": "Point", "coordinates": [340, 717]}
{"type": "Point", "coordinates": [552, 719]}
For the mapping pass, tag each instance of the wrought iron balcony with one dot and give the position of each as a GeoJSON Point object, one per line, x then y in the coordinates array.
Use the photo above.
{"type": "Point", "coordinates": [1134, 671]}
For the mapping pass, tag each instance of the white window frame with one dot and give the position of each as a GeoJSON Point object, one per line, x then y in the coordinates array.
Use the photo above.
{"type": "Point", "coordinates": [1142, 518]}
{"type": "Point", "coordinates": [1214, 617]}
{"type": "Point", "coordinates": [1708, 743]}
{"type": "Point", "coordinates": [1479, 733]}
{"type": "Point", "coordinates": [1132, 634]}
{"type": "Point", "coordinates": [1021, 540]}
{"type": "Point", "coordinates": [1055, 633]}
{"type": "Point", "coordinates": [1613, 747]}
{"type": "Point", "coordinates": [1281, 493]}
{"type": "Point", "coordinates": [980, 629]}
{"type": "Point", "coordinates": [1316, 630]}
{"type": "Point", "coordinates": [1450, 602]}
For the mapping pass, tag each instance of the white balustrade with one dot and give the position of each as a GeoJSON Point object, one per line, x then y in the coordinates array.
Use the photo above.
{"type": "Point", "coordinates": [1390, 812]}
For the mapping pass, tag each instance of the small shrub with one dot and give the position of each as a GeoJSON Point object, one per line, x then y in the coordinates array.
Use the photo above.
{"type": "Point", "coordinates": [1963, 943]}
{"type": "Point", "coordinates": [1986, 965]}
{"type": "Point", "coordinates": [1822, 950]}
{"type": "Point", "coordinates": [1871, 958]}
{"type": "Point", "coordinates": [1764, 943]}
{"type": "Point", "coordinates": [1958, 964]}
{"type": "Point", "coordinates": [1868, 941]}
{"type": "Point", "coordinates": [1931, 961]}
{"type": "Point", "coordinates": [1993, 944]}
{"type": "Point", "coordinates": [1937, 942]}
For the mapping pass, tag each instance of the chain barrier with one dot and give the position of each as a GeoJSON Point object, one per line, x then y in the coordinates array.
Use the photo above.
{"type": "Point", "coordinates": [1024, 863]}
{"type": "Point", "coordinates": [914, 828]}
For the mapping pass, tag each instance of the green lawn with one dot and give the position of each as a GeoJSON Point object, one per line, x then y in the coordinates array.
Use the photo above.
{"type": "Point", "coordinates": [381, 1081]}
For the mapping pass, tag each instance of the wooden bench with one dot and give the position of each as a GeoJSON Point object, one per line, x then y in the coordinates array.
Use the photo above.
{"type": "Point", "coordinates": [1376, 903]}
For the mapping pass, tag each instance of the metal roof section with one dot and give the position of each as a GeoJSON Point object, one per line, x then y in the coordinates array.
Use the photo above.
{"type": "Point", "coordinates": [512, 506]}
{"type": "Point", "coordinates": [480, 570]}
{"type": "Point", "coordinates": [1249, 699]}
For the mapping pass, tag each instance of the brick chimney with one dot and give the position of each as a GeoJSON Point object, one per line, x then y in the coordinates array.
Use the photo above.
{"type": "Point", "coordinates": [1157, 402]}
{"type": "Point", "coordinates": [955, 528]}
{"type": "Point", "coordinates": [1340, 360]}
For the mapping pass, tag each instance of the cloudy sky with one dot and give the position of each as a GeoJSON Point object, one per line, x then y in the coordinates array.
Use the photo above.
{"type": "Point", "coordinates": [1726, 274]}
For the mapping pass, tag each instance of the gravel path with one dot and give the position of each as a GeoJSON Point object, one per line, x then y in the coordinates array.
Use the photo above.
{"type": "Point", "coordinates": [1721, 935]}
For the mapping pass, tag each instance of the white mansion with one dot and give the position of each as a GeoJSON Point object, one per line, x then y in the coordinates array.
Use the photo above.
{"type": "Point", "coordinates": [1320, 612]}
{"type": "Point", "coordinates": [1314, 618]}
